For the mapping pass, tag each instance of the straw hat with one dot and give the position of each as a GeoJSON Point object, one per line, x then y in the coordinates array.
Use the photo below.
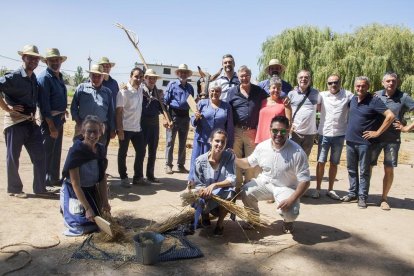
{"type": "Point", "coordinates": [29, 50]}
{"type": "Point", "coordinates": [151, 73]}
{"type": "Point", "coordinates": [273, 62]}
{"type": "Point", "coordinates": [183, 67]}
{"type": "Point", "coordinates": [53, 53]}
{"type": "Point", "coordinates": [97, 69]}
{"type": "Point", "coordinates": [105, 60]}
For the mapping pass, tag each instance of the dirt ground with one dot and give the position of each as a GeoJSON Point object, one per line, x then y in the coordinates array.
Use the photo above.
{"type": "Point", "coordinates": [330, 237]}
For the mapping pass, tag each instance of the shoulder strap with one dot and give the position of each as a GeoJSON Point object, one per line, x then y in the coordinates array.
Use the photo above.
{"type": "Point", "coordinates": [301, 103]}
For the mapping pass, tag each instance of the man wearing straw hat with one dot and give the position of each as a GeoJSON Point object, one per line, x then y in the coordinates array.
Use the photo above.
{"type": "Point", "coordinates": [108, 80]}
{"type": "Point", "coordinates": [52, 104]}
{"type": "Point", "coordinates": [176, 99]}
{"type": "Point", "coordinates": [92, 98]}
{"type": "Point", "coordinates": [18, 100]}
{"type": "Point", "coordinates": [275, 68]}
{"type": "Point", "coordinates": [151, 109]}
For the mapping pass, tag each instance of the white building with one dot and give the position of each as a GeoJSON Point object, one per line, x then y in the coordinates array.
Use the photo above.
{"type": "Point", "coordinates": [167, 74]}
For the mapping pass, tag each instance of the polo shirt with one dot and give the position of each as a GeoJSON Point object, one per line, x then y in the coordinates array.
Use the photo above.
{"type": "Point", "coordinates": [366, 115]}
{"type": "Point", "coordinates": [130, 100]}
{"type": "Point", "coordinates": [399, 103]}
{"type": "Point", "coordinates": [284, 167]}
{"type": "Point", "coordinates": [246, 110]}
{"type": "Point", "coordinates": [334, 112]}
{"type": "Point", "coordinates": [226, 84]}
{"type": "Point", "coordinates": [305, 119]}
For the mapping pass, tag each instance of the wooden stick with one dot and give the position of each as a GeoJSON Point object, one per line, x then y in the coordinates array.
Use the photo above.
{"type": "Point", "coordinates": [132, 37]}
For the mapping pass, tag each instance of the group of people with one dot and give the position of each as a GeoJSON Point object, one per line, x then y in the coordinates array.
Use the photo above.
{"type": "Point", "coordinates": [251, 141]}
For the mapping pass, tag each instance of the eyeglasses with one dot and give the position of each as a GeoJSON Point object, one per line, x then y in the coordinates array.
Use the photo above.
{"type": "Point", "coordinates": [282, 131]}
{"type": "Point", "coordinates": [333, 82]}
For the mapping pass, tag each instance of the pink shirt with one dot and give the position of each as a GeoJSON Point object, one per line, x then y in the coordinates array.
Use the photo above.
{"type": "Point", "coordinates": [267, 112]}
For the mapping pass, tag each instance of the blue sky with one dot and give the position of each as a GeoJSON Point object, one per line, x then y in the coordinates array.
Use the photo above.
{"type": "Point", "coordinates": [174, 32]}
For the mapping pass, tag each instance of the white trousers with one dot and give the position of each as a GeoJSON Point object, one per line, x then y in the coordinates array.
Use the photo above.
{"type": "Point", "coordinates": [257, 190]}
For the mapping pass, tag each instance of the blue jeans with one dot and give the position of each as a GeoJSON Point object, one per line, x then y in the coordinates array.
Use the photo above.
{"type": "Point", "coordinates": [357, 154]}
{"type": "Point", "coordinates": [335, 144]}
{"type": "Point", "coordinates": [390, 153]}
{"type": "Point", "coordinates": [181, 126]}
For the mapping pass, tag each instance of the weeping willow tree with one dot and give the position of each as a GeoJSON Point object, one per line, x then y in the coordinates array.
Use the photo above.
{"type": "Point", "coordinates": [371, 51]}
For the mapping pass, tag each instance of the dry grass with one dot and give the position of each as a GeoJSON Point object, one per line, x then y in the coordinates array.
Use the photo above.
{"type": "Point", "coordinates": [184, 216]}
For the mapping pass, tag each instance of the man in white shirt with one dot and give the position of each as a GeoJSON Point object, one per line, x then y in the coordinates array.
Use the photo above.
{"type": "Point", "coordinates": [285, 173]}
{"type": "Point", "coordinates": [228, 78]}
{"type": "Point", "coordinates": [128, 124]}
{"type": "Point", "coordinates": [333, 105]}
{"type": "Point", "coordinates": [303, 100]}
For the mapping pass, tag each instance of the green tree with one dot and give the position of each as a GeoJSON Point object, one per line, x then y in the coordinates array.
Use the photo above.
{"type": "Point", "coordinates": [78, 77]}
{"type": "Point", "coordinates": [371, 51]}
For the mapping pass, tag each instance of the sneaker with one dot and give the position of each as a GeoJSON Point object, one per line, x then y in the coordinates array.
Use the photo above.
{"type": "Point", "coordinates": [53, 189]}
{"type": "Point", "coordinates": [182, 169]}
{"type": "Point", "coordinates": [218, 231]}
{"type": "Point", "coordinates": [18, 195]}
{"type": "Point", "coordinates": [348, 198]}
{"type": "Point", "coordinates": [316, 194]}
{"type": "Point", "coordinates": [332, 194]}
{"type": "Point", "coordinates": [362, 203]}
{"type": "Point", "coordinates": [287, 227]}
{"type": "Point", "coordinates": [141, 181]}
{"type": "Point", "coordinates": [385, 206]}
{"type": "Point", "coordinates": [125, 183]}
{"type": "Point", "coordinates": [168, 170]}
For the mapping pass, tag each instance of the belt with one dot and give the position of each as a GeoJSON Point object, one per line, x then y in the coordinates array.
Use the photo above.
{"type": "Point", "coordinates": [245, 127]}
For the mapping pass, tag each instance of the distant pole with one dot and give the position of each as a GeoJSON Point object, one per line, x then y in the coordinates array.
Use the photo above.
{"type": "Point", "coordinates": [90, 61]}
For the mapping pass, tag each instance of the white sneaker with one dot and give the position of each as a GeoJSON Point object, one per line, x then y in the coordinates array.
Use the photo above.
{"type": "Point", "coordinates": [332, 194]}
{"type": "Point", "coordinates": [125, 183]}
{"type": "Point", "coordinates": [316, 194]}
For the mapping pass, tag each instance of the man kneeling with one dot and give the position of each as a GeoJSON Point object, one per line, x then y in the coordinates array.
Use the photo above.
{"type": "Point", "coordinates": [285, 173]}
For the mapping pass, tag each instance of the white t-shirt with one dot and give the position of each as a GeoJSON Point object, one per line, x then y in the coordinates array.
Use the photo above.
{"type": "Point", "coordinates": [334, 112]}
{"type": "Point", "coordinates": [131, 101]}
{"type": "Point", "coordinates": [284, 167]}
{"type": "Point", "coordinates": [305, 119]}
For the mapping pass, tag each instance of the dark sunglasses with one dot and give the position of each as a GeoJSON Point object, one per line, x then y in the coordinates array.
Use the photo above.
{"type": "Point", "coordinates": [282, 131]}
{"type": "Point", "coordinates": [332, 82]}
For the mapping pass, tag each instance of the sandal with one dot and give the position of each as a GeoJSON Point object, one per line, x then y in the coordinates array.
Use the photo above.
{"type": "Point", "coordinates": [385, 206]}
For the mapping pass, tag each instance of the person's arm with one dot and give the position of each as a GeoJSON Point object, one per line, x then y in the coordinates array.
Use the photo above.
{"type": "Point", "coordinates": [111, 115]}
{"type": "Point", "coordinates": [44, 105]}
{"type": "Point", "coordinates": [119, 123]}
{"type": "Point", "coordinates": [229, 174]}
{"type": "Point", "coordinates": [74, 106]}
{"type": "Point", "coordinates": [230, 127]}
{"type": "Point", "coordinates": [389, 118]}
{"type": "Point", "coordinates": [288, 113]}
{"type": "Point", "coordinates": [75, 180]}
{"type": "Point", "coordinates": [399, 126]}
{"type": "Point", "coordinates": [299, 192]}
{"type": "Point", "coordinates": [242, 163]}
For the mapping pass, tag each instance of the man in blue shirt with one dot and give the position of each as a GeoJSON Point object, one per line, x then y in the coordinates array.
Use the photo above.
{"type": "Point", "coordinates": [108, 80]}
{"type": "Point", "coordinates": [245, 100]}
{"type": "Point", "coordinates": [275, 68]}
{"type": "Point", "coordinates": [364, 124]}
{"type": "Point", "coordinates": [399, 103]}
{"type": "Point", "coordinates": [19, 99]}
{"type": "Point", "coordinates": [92, 98]}
{"type": "Point", "coordinates": [228, 78]}
{"type": "Point", "coordinates": [52, 104]}
{"type": "Point", "coordinates": [176, 99]}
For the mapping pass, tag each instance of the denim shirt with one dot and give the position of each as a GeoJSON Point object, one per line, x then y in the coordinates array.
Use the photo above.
{"type": "Point", "coordinates": [212, 118]}
{"type": "Point", "coordinates": [52, 93]}
{"type": "Point", "coordinates": [20, 89]}
{"type": "Point", "coordinates": [176, 95]}
{"type": "Point", "coordinates": [113, 86]}
{"type": "Point", "coordinates": [205, 175]}
{"type": "Point", "coordinates": [89, 100]}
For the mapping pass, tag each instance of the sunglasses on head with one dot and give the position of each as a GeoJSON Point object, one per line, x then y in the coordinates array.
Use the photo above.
{"type": "Point", "coordinates": [282, 131]}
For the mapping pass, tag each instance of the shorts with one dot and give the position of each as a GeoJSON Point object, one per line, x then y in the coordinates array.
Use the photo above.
{"type": "Point", "coordinates": [390, 153]}
{"type": "Point", "coordinates": [335, 144]}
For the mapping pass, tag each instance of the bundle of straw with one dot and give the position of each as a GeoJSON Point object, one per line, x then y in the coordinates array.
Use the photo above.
{"type": "Point", "coordinates": [184, 216]}
{"type": "Point", "coordinates": [246, 214]}
{"type": "Point", "coordinates": [119, 233]}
